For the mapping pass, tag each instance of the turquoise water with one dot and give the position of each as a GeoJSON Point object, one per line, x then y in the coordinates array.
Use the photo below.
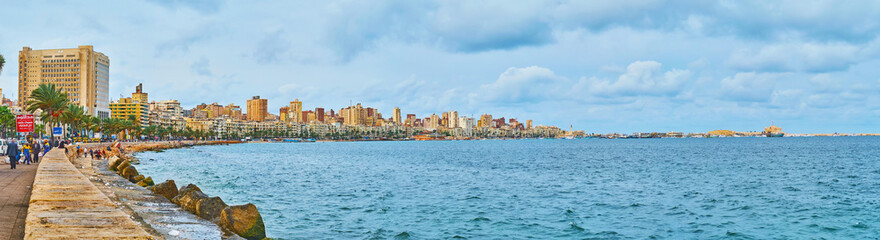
{"type": "Point", "coordinates": [738, 188]}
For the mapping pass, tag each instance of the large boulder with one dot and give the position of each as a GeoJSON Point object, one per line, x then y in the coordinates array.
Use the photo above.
{"type": "Point", "coordinates": [129, 172]}
{"type": "Point", "coordinates": [243, 220]}
{"type": "Point", "coordinates": [165, 189]}
{"type": "Point", "coordinates": [188, 198]}
{"type": "Point", "coordinates": [146, 182]}
{"type": "Point", "coordinates": [210, 208]}
{"type": "Point", "coordinates": [113, 162]}
{"type": "Point", "coordinates": [137, 178]}
{"type": "Point", "coordinates": [122, 166]}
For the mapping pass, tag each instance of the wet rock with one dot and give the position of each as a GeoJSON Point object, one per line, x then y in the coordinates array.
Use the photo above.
{"type": "Point", "coordinates": [113, 162]}
{"type": "Point", "coordinates": [122, 166]}
{"type": "Point", "coordinates": [146, 182]}
{"type": "Point", "coordinates": [129, 172]}
{"type": "Point", "coordinates": [137, 178]}
{"type": "Point", "coordinates": [243, 220]}
{"type": "Point", "coordinates": [165, 189]}
{"type": "Point", "coordinates": [210, 208]}
{"type": "Point", "coordinates": [189, 198]}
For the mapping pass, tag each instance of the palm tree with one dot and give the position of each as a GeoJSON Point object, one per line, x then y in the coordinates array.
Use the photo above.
{"type": "Point", "coordinates": [51, 100]}
{"type": "Point", "coordinates": [74, 116]}
{"type": "Point", "coordinates": [2, 62]}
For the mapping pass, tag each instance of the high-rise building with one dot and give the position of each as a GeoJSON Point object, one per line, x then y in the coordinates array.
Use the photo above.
{"type": "Point", "coordinates": [257, 109]}
{"type": "Point", "coordinates": [134, 107]}
{"type": "Point", "coordinates": [453, 120]}
{"type": "Point", "coordinates": [529, 124]}
{"type": "Point", "coordinates": [396, 116]}
{"type": "Point", "coordinates": [82, 73]}
{"type": "Point", "coordinates": [283, 114]}
{"type": "Point", "coordinates": [353, 115]}
{"type": "Point", "coordinates": [486, 121]}
{"type": "Point", "coordinates": [410, 120]}
{"type": "Point", "coordinates": [296, 108]}
{"type": "Point", "coordinates": [319, 114]}
{"type": "Point", "coordinates": [139, 95]}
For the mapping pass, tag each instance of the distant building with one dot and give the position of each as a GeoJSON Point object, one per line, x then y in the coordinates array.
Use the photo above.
{"type": "Point", "coordinates": [295, 111]}
{"type": "Point", "coordinates": [257, 109]}
{"type": "Point", "coordinates": [134, 107]}
{"type": "Point", "coordinates": [396, 116]}
{"type": "Point", "coordinates": [82, 73]}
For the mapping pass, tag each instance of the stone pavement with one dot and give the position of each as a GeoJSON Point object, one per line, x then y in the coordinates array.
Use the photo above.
{"type": "Point", "coordinates": [15, 191]}
{"type": "Point", "coordinates": [64, 204]}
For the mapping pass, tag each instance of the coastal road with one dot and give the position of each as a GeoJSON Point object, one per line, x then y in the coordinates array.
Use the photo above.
{"type": "Point", "coordinates": [15, 192]}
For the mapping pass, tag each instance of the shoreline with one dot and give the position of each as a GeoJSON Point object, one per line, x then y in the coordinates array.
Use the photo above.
{"type": "Point", "coordinates": [161, 215]}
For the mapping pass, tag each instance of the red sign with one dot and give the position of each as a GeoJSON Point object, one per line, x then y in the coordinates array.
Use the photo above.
{"type": "Point", "coordinates": [25, 123]}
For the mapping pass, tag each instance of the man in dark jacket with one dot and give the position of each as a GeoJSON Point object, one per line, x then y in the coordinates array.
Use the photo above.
{"type": "Point", "coordinates": [12, 152]}
{"type": "Point", "coordinates": [36, 149]}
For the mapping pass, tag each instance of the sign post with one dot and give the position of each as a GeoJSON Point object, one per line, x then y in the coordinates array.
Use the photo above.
{"type": "Point", "coordinates": [56, 131]}
{"type": "Point", "coordinates": [24, 123]}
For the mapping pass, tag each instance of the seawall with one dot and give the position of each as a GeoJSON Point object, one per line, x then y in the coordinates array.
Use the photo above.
{"type": "Point", "coordinates": [66, 205]}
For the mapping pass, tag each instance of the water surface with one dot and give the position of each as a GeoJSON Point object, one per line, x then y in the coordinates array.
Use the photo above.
{"type": "Point", "coordinates": [740, 188]}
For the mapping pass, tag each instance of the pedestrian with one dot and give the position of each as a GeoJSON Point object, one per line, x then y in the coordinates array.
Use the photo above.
{"type": "Point", "coordinates": [26, 151]}
{"type": "Point", "coordinates": [61, 145]}
{"type": "Point", "coordinates": [12, 152]}
{"type": "Point", "coordinates": [37, 148]}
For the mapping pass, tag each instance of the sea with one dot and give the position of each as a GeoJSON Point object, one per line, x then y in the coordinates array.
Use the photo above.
{"type": "Point", "coordinates": [690, 188]}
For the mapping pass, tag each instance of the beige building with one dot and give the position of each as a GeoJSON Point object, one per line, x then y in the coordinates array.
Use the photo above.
{"type": "Point", "coordinates": [295, 111]}
{"type": "Point", "coordinates": [257, 109]}
{"type": "Point", "coordinates": [396, 116]}
{"type": "Point", "coordinates": [82, 73]}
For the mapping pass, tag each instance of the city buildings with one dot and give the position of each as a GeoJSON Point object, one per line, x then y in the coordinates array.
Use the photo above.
{"type": "Point", "coordinates": [396, 115]}
{"type": "Point", "coordinates": [81, 72]}
{"type": "Point", "coordinates": [134, 107]}
{"type": "Point", "coordinates": [257, 109]}
{"type": "Point", "coordinates": [295, 111]}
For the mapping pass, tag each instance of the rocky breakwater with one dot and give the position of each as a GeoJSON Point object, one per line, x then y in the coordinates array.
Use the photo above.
{"type": "Point", "coordinates": [243, 220]}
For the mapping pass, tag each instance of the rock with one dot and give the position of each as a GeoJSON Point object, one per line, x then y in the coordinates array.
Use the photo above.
{"type": "Point", "coordinates": [137, 178]}
{"type": "Point", "coordinates": [113, 162]}
{"type": "Point", "coordinates": [129, 172]}
{"type": "Point", "coordinates": [122, 166]}
{"type": "Point", "coordinates": [165, 189]}
{"type": "Point", "coordinates": [243, 220]}
{"type": "Point", "coordinates": [146, 182]}
{"type": "Point", "coordinates": [189, 198]}
{"type": "Point", "coordinates": [209, 208]}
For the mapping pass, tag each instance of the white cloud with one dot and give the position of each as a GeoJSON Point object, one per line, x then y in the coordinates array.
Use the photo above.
{"type": "Point", "coordinates": [523, 85]}
{"type": "Point", "coordinates": [749, 86]}
{"type": "Point", "coordinates": [640, 78]}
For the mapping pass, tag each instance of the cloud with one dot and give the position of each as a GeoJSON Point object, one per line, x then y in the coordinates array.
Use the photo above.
{"type": "Point", "coordinates": [643, 78]}
{"type": "Point", "coordinates": [749, 86]}
{"type": "Point", "coordinates": [203, 6]}
{"type": "Point", "coordinates": [523, 85]}
{"type": "Point", "coordinates": [201, 67]}
{"type": "Point", "coordinates": [272, 48]}
{"type": "Point", "coordinates": [805, 57]}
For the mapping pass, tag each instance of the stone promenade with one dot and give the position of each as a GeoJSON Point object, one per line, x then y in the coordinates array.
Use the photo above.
{"type": "Point", "coordinates": [64, 204]}
{"type": "Point", "coordinates": [15, 191]}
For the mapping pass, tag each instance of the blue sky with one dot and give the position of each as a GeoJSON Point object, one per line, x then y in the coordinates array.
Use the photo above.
{"type": "Point", "coordinates": [602, 66]}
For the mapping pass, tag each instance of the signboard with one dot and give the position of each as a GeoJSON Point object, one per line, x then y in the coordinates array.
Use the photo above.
{"type": "Point", "coordinates": [24, 123]}
{"type": "Point", "coordinates": [56, 131]}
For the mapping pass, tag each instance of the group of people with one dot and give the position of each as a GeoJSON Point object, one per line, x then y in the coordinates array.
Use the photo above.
{"type": "Point", "coordinates": [28, 151]}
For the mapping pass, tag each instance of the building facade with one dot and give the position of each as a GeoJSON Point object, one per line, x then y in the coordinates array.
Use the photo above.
{"type": "Point", "coordinates": [257, 109]}
{"type": "Point", "coordinates": [82, 73]}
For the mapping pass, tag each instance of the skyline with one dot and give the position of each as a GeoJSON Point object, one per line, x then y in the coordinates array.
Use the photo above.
{"type": "Point", "coordinates": [600, 66]}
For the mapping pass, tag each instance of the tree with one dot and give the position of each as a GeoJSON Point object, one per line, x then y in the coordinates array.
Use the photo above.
{"type": "Point", "coordinates": [2, 62]}
{"type": "Point", "coordinates": [51, 100]}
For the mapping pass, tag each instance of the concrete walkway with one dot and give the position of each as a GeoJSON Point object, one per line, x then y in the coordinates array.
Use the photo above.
{"type": "Point", "coordinates": [65, 205]}
{"type": "Point", "coordinates": [15, 191]}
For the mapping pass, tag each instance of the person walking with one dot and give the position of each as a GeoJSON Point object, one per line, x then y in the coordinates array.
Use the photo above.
{"type": "Point", "coordinates": [26, 151]}
{"type": "Point", "coordinates": [12, 152]}
{"type": "Point", "coordinates": [37, 148]}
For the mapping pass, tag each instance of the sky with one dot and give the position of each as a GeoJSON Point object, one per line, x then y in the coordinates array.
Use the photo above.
{"type": "Point", "coordinates": [599, 66]}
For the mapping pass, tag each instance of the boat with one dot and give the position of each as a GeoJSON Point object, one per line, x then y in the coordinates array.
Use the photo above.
{"type": "Point", "coordinates": [773, 131]}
